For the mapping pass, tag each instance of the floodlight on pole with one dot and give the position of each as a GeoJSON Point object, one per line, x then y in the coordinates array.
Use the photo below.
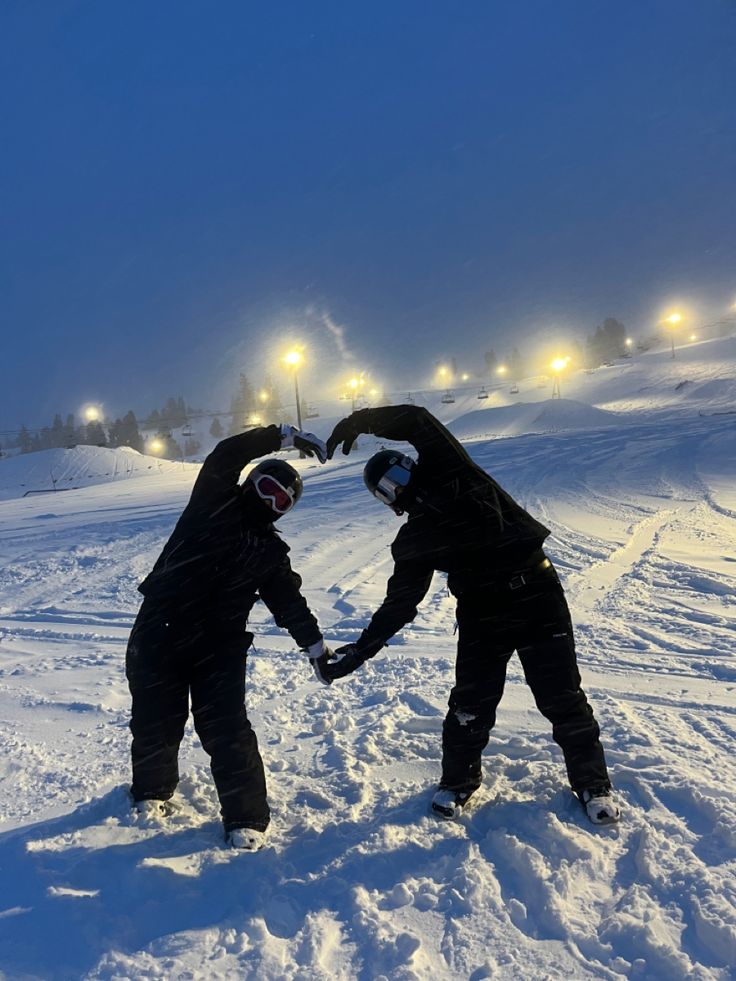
{"type": "Point", "coordinates": [501, 370]}
{"type": "Point", "coordinates": [91, 413]}
{"type": "Point", "coordinates": [558, 365]}
{"type": "Point", "coordinates": [672, 321]}
{"type": "Point", "coordinates": [294, 358]}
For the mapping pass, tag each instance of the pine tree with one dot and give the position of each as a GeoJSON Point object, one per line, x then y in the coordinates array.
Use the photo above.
{"type": "Point", "coordinates": [216, 429]}
{"type": "Point", "coordinates": [114, 434]}
{"type": "Point", "coordinates": [517, 365]}
{"type": "Point", "coordinates": [129, 432]}
{"type": "Point", "coordinates": [242, 405]}
{"type": "Point", "coordinates": [95, 434]}
{"type": "Point", "coordinates": [57, 432]}
{"type": "Point", "coordinates": [24, 441]}
{"type": "Point", "coordinates": [68, 434]}
{"type": "Point", "coordinates": [491, 362]}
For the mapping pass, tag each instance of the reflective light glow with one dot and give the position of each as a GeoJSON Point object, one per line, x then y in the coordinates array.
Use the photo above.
{"type": "Point", "coordinates": [91, 413]}
{"type": "Point", "coordinates": [155, 446]}
{"type": "Point", "coordinates": [629, 342]}
{"type": "Point", "coordinates": [263, 396]}
{"type": "Point", "coordinates": [293, 358]}
{"type": "Point", "coordinates": [559, 364]}
{"type": "Point", "coordinates": [674, 319]}
{"type": "Point", "coordinates": [501, 370]}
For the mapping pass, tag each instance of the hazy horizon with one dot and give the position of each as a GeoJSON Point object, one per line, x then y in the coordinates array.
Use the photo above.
{"type": "Point", "coordinates": [185, 191]}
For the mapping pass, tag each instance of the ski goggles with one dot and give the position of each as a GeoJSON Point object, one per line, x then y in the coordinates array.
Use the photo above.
{"type": "Point", "coordinates": [279, 498]}
{"type": "Point", "coordinates": [392, 483]}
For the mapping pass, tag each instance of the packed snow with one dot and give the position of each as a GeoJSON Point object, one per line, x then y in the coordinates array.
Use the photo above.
{"type": "Point", "coordinates": [637, 479]}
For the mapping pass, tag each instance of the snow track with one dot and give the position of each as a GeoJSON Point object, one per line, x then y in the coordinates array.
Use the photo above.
{"type": "Point", "coordinates": [358, 881]}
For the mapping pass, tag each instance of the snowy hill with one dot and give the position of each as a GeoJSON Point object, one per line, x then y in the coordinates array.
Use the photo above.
{"type": "Point", "coordinates": [637, 479]}
{"type": "Point", "coordinates": [552, 416]}
{"type": "Point", "coordinates": [82, 466]}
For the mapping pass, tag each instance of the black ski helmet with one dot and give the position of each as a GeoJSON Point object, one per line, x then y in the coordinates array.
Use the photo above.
{"type": "Point", "coordinates": [386, 474]}
{"type": "Point", "coordinates": [277, 484]}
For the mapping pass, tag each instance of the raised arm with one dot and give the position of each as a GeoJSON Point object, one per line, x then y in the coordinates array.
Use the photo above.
{"type": "Point", "coordinates": [406, 423]}
{"type": "Point", "coordinates": [406, 589]}
{"type": "Point", "coordinates": [222, 467]}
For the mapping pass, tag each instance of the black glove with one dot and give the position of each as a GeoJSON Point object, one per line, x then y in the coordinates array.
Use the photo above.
{"type": "Point", "coordinates": [320, 655]}
{"type": "Point", "coordinates": [306, 443]}
{"type": "Point", "coordinates": [344, 661]}
{"type": "Point", "coordinates": [344, 432]}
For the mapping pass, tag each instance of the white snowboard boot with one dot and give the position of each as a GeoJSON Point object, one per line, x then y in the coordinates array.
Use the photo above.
{"type": "Point", "coordinates": [600, 806]}
{"type": "Point", "coordinates": [246, 839]}
{"type": "Point", "coordinates": [151, 813]}
{"type": "Point", "coordinates": [449, 804]}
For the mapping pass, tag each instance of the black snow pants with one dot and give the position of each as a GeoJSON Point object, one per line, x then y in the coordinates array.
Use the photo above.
{"type": "Point", "coordinates": [533, 619]}
{"type": "Point", "coordinates": [166, 663]}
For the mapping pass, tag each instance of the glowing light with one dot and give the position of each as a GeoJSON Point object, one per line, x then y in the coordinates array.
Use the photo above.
{"type": "Point", "coordinates": [442, 371]}
{"type": "Point", "coordinates": [465, 376]}
{"type": "Point", "coordinates": [155, 446]}
{"type": "Point", "coordinates": [91, 413]}
{"type": "Point", "coordinates": [263, 396]}
{"type": "Point", "coordinates": [373, 392]}
{"type": "Point", "coordinates": [293, 358]}
{"type": "Point", "coordinates": [693, 337]}
{"type": "Point", "coordinates": [353, 383]}
{"type": "Point", "coordinates": [255, 419]}
{"type": "Point", "coordinates": [559, 364]}
{"type": "Point", "coordinates": [629, 342]}
{"type": "Point", "coordinates": [501, 370]}
{"type": "Point", "coordinates": [674, 319]}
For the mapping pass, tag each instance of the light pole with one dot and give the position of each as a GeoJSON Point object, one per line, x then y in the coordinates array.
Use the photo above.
{"type": "Point", "coordinates": [673, 320]}
{"type": "Point", "coordinates": [558, 366]}
{"type": "Point", "coordinates": [294, 359]}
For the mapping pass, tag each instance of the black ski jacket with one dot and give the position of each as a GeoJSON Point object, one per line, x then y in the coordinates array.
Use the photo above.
{"type": "Point", "coordinates": [215, 566]}
{"type": "Point", "coordinates": [460, 522]}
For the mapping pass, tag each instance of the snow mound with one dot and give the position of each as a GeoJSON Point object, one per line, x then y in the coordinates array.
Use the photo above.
{"type": "Point", "coordinates": [81, 466]}
{"type": "Point", "coordinates": [550, 416]}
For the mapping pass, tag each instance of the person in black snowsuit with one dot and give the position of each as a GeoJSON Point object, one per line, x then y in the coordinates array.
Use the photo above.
{"type": "Point", "coordinates": [190, 637]}
{"type": "Point", "coordinates": [509, 597]}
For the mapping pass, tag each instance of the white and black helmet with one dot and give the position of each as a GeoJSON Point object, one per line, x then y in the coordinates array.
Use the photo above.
{"type": "Point", "coordinates": [387, 474]}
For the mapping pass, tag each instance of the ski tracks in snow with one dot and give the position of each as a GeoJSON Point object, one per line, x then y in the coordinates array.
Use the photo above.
{"type": "Point", "coordinates": [358, 881]}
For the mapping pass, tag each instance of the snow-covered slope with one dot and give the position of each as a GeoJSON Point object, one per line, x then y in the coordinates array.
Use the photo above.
{"type": "Point", "coordinates": [50, 471]}
{"type": "Point", "coordinates": [551, 416]}
{"type": "Point", "coordinates": [359, 882]}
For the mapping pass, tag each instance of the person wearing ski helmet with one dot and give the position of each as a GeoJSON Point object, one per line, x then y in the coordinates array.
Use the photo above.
{"type": "Point", "coordinates": [190, 639]}
{"type": "Point", "coordinates": [509, 598]}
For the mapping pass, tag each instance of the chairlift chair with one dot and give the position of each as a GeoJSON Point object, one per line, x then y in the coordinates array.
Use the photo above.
{"type": "Point", "coordinates": [482, 394]}
{"type": "Point", "coordinates": [312, 412]}
{"type": "Point", "coordinates": [448, 398]}
{"type": "Point", "coordinates": [514, 390]}
{"type": "Point", "coordinates": [187, 431]}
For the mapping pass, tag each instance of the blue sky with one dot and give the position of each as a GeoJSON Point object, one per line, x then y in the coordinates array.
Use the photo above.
{"type": "Point", "coordinates": [185, 185]}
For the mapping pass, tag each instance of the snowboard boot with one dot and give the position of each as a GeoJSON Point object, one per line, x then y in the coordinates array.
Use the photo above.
{"type": "Point", "coordinates": [245, 839]}
{"type": "Point", "coordinates": [599, 805]}
{"type": "Point", "coordinates": [151, 813]}
{"type": "Point", "coordinates": [450, 804]}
